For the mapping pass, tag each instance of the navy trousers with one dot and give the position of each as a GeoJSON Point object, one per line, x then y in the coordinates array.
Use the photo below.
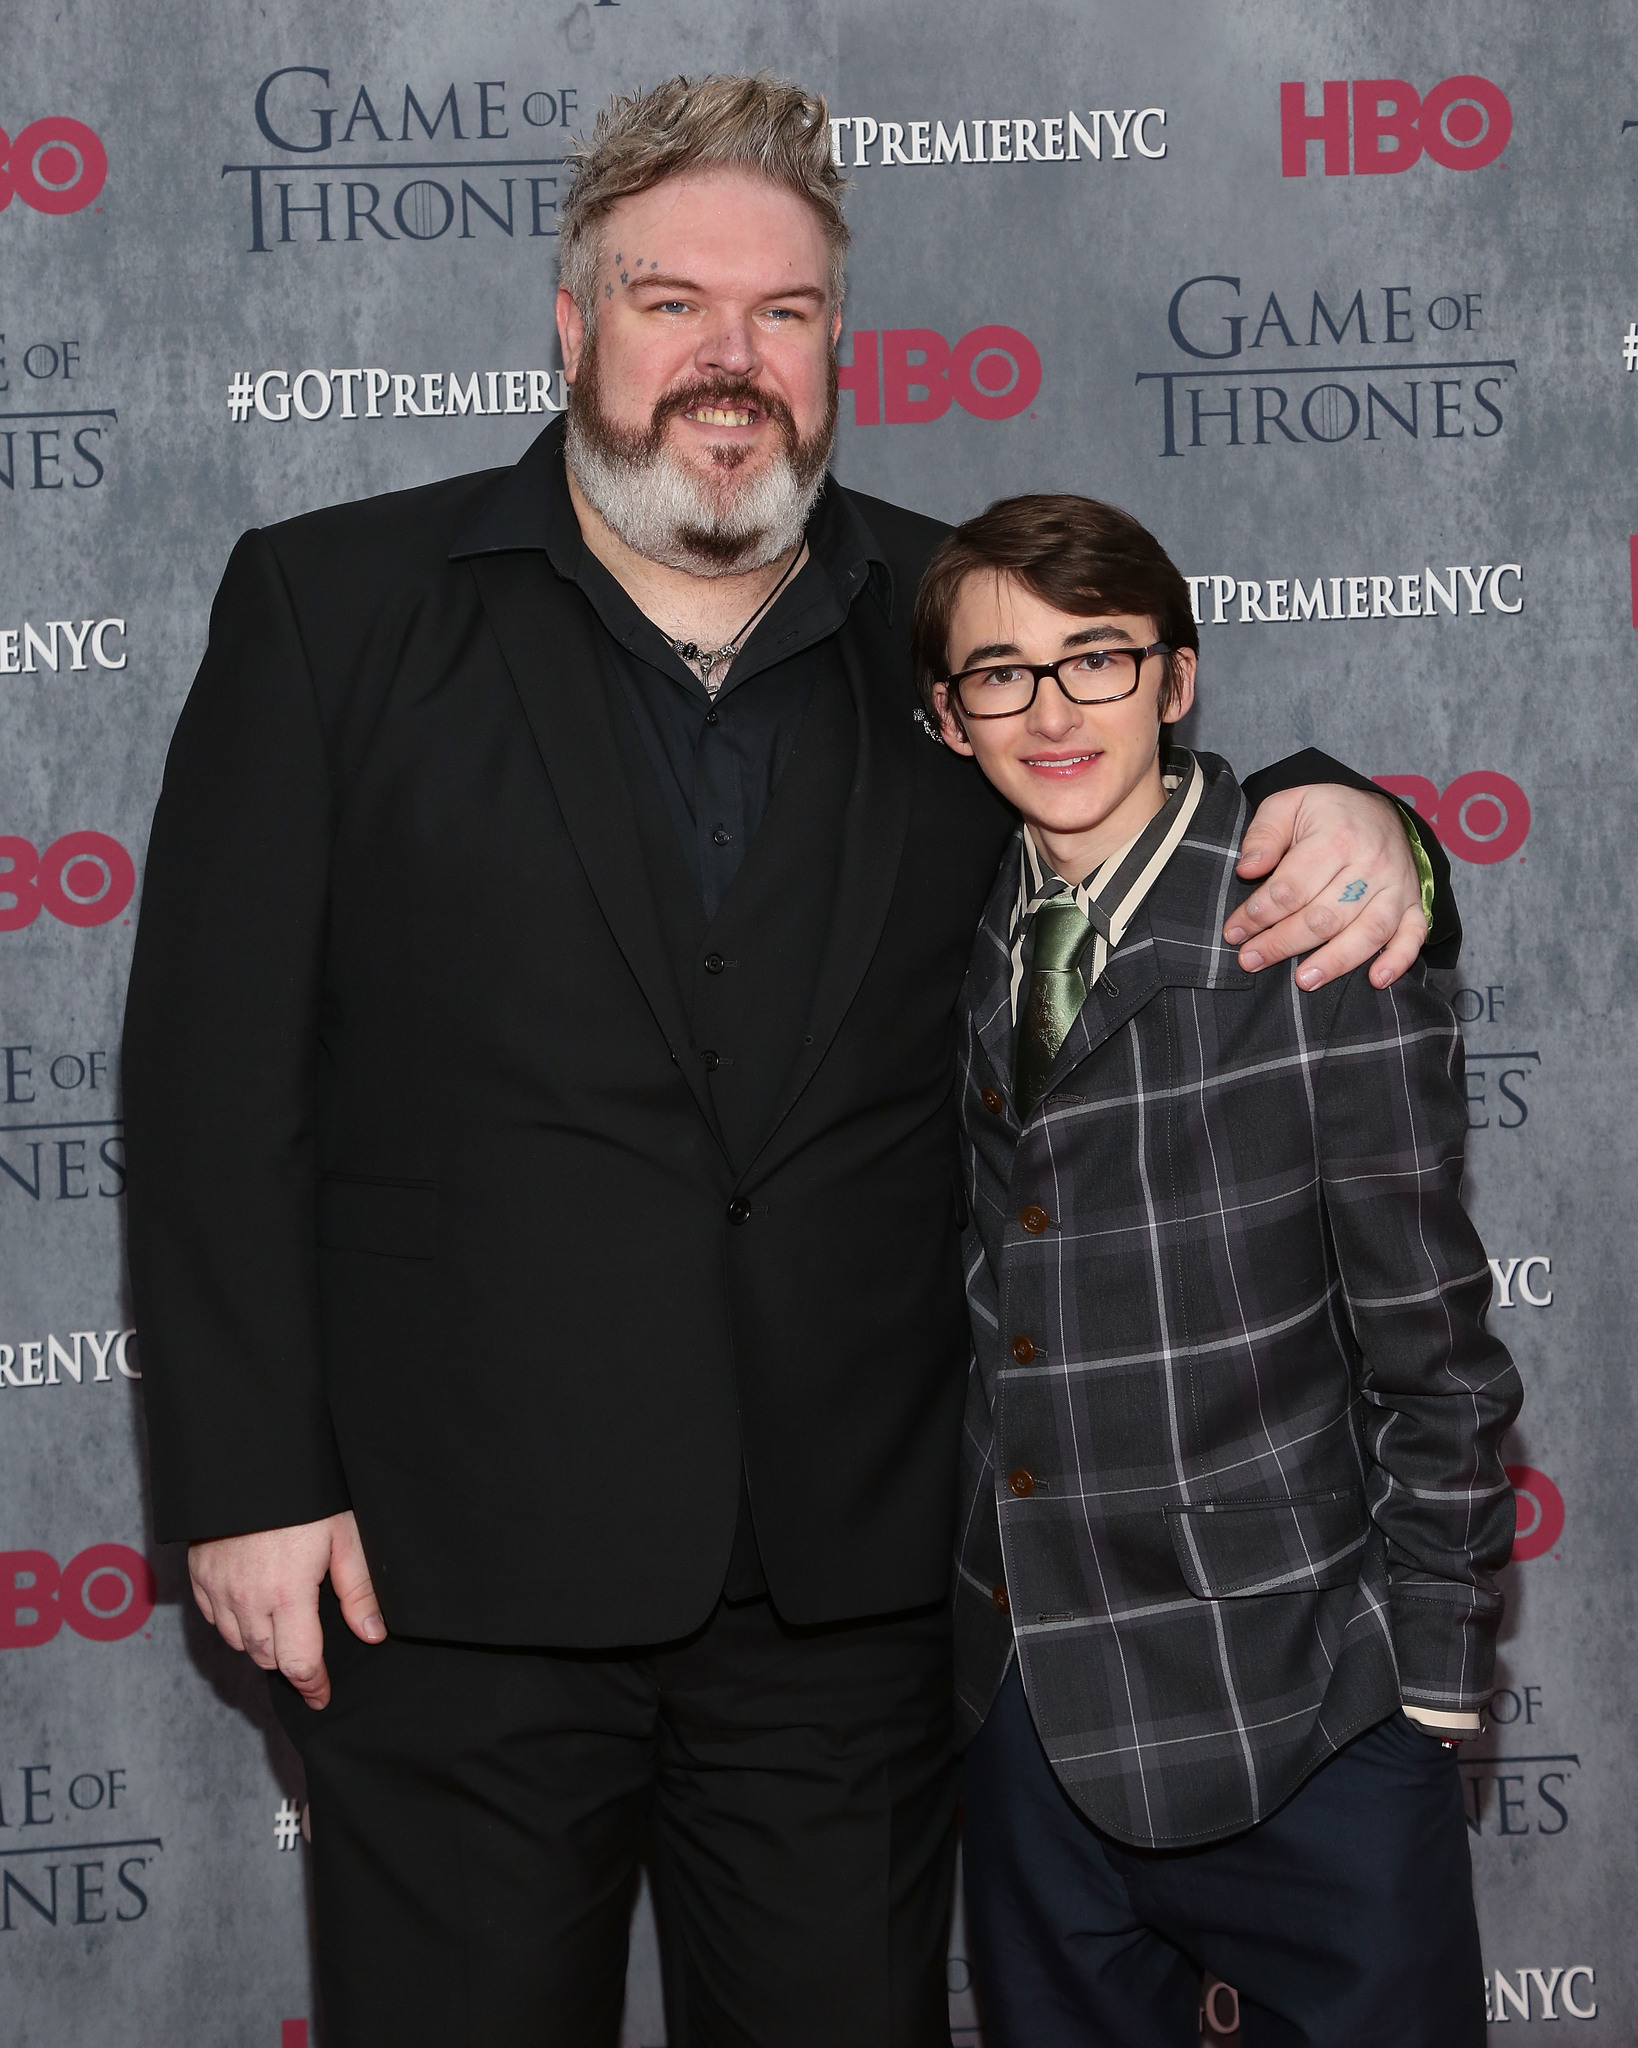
{"type": "Point", "coordinates": [1344, 1920]}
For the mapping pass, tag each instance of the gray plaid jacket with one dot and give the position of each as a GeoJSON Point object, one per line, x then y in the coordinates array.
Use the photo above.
{"type": "Point", "coordinates": [1233, 1474]}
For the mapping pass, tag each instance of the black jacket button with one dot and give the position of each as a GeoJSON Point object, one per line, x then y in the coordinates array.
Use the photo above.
{"type": "Point", "coordinates": [714, 963]}
{"type": "Point", "coordinates": [711, 1062]}
{"type": "Point", "coordinates": [739, 1210]}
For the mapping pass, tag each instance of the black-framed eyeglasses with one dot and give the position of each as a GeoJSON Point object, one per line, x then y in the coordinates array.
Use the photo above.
{"type": "Point", "coordinates": [1096, 675]}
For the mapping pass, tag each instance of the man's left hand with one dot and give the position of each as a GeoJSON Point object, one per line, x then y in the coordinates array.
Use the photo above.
{"type": "Point", "coordinates": [1345, 883]}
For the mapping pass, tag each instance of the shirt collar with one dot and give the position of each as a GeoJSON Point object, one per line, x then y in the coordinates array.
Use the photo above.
{"type": "Point", "coordinates": [1111, 896]}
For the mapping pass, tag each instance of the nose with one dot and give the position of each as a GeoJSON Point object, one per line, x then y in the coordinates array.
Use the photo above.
{"type": "Point", "coordinates": [1052, 716]}
{"type": "Point", "coordinates": [728, 348]}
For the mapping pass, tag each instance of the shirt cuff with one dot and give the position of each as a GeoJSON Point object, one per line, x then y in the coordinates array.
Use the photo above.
{"type": "Point", "coordinates": [1424, 867]}
{"type": "Point", "coordinates": [1438, 1723]}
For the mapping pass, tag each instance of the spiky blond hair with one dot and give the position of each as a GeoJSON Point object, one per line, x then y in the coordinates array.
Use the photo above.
{"type": "Point", "coordinates": [756, 124]}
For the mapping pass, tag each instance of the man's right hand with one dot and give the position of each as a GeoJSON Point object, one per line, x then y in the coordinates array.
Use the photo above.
{"type": "Point", "coordinates": [260, 1593]}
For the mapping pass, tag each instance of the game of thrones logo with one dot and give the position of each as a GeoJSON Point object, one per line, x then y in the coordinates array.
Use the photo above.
{"type": "Point", "coordinates": [352, 163]}
{"type": "Point", "coordinates": [1379, 363]}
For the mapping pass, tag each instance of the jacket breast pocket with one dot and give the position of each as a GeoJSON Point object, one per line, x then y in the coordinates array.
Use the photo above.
{"type": "Point", "coordinates": [1232, 1550]}
{"type": "Point", "coordinates": [398, 1219]}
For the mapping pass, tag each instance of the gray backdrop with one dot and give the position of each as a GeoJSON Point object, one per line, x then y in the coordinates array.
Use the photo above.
{"type": "Point", "coordinates": [1423, 409]}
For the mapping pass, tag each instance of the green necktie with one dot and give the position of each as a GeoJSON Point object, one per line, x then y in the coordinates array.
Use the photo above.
{"type": "Point", "coordinates": [1056, 993]}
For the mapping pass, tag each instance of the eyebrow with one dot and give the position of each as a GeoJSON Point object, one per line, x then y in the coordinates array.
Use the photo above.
{"type": "Point", "coordinates": [688, 284]}
{"type": "Point", "coordinates": [1087, 636]}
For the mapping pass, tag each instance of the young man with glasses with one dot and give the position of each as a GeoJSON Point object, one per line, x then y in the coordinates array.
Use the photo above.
{"type": "Point", "coordinates": [1233, 1490]}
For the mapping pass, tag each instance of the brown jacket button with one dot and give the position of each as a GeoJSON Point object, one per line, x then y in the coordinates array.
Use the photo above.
{"type": "Point", "coordinates": [999, 1595]}
{"type": "Point", "coordinates": [1034, 1220]}
{"type": "Point", "coordinates": [1022, 1483]}
{"type": "Point", "coordinates": [991, 1101]}
{"type": "Point", "coordinates": [1023, 1350]}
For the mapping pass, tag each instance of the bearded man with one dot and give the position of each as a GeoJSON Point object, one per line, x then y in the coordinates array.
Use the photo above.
{"type": "Point", "coordinates": [544, 1198]}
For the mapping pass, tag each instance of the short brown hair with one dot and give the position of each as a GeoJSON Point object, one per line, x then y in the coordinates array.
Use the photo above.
{"type": "Point", "coordinates": [1077, 554]}
{"type": "Point", "coordinates": [755, 124]}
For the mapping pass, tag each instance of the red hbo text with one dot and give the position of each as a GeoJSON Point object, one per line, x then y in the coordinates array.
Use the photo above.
{"type": "Point", "coordinates": [1463, 123]}
{"type": "Point", "coordinates": [107, 1592]}
{"type": "Point", "coordinates": [83, 878]}
{"type": "Point", "coordinates": [1482, 816]}
{"type": "Point", "coordinates": [1540, 1513]}
{"type": "Point", "coordinates": [57, 165]}
{"type": "Point", "coordinates": [908, 375]}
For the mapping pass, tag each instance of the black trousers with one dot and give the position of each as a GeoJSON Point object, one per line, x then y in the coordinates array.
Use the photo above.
{"type": "Point", "coordinates": [479, 1816]}
{"type": "Point", "coordinates": [1345, 1920]}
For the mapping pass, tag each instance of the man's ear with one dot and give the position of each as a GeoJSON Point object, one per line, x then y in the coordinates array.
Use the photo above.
{"type": "Point", "coordinates": [1184, 663]}
{"type": "Point", "coordinates": [950, 728]}
{"type": "Point", "coordinates": [571, 333]}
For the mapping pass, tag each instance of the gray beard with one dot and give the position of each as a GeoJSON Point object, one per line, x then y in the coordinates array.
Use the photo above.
{"type": "Point", "coordinates": [667, 512]}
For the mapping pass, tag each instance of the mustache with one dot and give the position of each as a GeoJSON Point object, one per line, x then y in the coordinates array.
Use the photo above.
{"type": "Point", "coordinates": [724, 394]}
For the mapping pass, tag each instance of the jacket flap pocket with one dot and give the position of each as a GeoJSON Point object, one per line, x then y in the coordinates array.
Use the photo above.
{"type": "Point", "coordinates": [394, 1217]}
{"type": "Point", "coordinates": [1233, 1549]}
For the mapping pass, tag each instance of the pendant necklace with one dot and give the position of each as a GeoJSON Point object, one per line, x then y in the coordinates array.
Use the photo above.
{"type": "Point", "coordinates": [706, 661]}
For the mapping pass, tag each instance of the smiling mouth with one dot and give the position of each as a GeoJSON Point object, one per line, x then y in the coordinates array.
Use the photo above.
{"type": "Point", "coordinates": [1061, 760]}
{"type": "Point", "coordinates": [721, 416]}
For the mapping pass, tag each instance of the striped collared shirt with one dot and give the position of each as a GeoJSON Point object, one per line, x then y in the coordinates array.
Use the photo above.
{"type": "Point", "coordinates": [1108, 898]}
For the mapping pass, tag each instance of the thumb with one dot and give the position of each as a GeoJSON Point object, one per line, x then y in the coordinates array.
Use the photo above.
{"type": "Point", "coordinates": [350, 1576]}
{"type": "Point", "coordinates": [1270, 833]}
{"type": "Point", "coordinates": [1259, 850]}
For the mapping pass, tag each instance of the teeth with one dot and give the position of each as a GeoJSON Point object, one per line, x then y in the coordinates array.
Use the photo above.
{"type": "Point", "coordinates": [714, 416]}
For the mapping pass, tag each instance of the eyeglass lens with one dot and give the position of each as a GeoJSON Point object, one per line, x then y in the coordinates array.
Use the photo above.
{"type": "Point", "coordinates": [1097, 675]}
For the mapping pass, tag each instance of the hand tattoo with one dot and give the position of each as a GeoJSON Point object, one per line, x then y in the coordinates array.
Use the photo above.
{"type": "Point", "coordinates": [1353, 892]}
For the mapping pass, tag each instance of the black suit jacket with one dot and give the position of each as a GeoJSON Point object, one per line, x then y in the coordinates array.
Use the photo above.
{"type": "Point", "coordinates": [431, 1213]}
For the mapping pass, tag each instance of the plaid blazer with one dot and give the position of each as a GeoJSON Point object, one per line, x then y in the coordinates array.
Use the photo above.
{"type": "Point", "coordinates": [1232, 1462]}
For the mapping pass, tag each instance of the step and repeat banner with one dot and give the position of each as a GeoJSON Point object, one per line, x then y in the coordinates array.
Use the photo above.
{"type": "Point", "coordinates": [1339, 301]}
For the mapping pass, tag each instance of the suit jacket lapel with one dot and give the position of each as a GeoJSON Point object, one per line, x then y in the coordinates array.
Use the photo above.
{"type": "Point", "coordinates": [1130, 980]}
{"type": "Point", "coordinates": [1176, 938]}
{"type": "Point", "coordinates": [873, 829]}
{"type": "Point", "coordinates": [546, 638]}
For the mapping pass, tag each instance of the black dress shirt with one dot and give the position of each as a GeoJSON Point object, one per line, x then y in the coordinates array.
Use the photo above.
{"type": "Point", "coordinates": [716, 761]}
